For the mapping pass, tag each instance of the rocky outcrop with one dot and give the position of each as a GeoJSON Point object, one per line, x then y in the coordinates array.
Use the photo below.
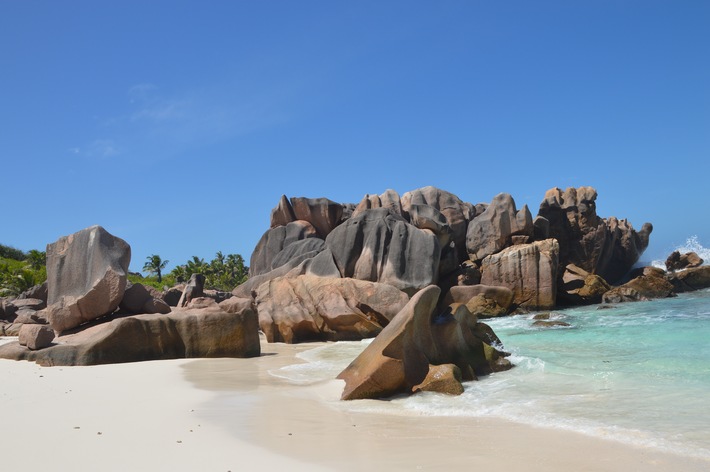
{"type": "Point", "coordinates": [308, 308]}
{"type": "Point", "coordinates": [528, 270]}
{"type": "Point", "coordinates": [195, 288]}
{"type": "Point", "coordinates": [37, 292]}
{"type": "Point", "coordinates": [282, 214]}
{"type": "Point", "coordinates": [322, 213]}
{"type": "Point", "coordinates": [456, 212]}
{"type": "Point", "coordinates": [137, 299]}
{"type": "Point", "coordinates": [379, 246]}
{"type": "Point", "coordinates": [499, 226]}
{"type": "Point", "coordinates": [695, 278]}
{"type": "Point", "coordinates": [276, 240]}
{"type": "Point", "coordinates": [180, 334]}
{"type": "Point", "coordinates": [445, 378]}
{"type": "Point", "coordinates": [650, 284]}
{"type": "Point", "coordinates": [579, 287]}
{"type": "Point", "coordinates": [86, 277]}
{"type": "Point", "coordinates": [399, 358]}
{"type": "Point", "coordinates": [389, 200]}
{"type": "Point", "coordinates": [678, 261]}
{"type": "Point", "coordinates": [484, 301]}
{"type": "Point", "coordinates": [608, 248]}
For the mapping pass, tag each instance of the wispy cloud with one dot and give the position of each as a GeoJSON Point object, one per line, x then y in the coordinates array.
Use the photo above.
{"type": "Point", "coordinates": [156, 124]}
{"type": "Point", "coordinates": [97, 149]}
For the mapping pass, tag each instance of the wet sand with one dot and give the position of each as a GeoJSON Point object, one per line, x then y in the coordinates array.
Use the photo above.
{"type": "Point", "coordinates": [232, 415]}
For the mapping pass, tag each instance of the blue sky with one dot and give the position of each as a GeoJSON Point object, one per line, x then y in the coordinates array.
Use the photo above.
{"type": "Point", "coordinates": [177, 125]}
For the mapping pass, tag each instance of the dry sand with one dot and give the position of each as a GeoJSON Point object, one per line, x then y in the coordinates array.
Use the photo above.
{"type": "Point", "coordinates": [232, 415]}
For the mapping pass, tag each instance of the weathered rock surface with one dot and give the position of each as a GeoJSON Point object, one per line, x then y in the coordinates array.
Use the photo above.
{"type": "Point", "coordinates": [378, 246]}
{"type": "Point", "coordinates": [38, 292]}
{"type": "Point", "coordinates": [605, 247]}
{"type": "Point", "coordinates": [282, 214]}
{"type": "Point", "coordinates": [457, 213]}
{"type": "Point", "coordinates": [678, 261]}
{"type": "Point", "coordinates": [137, 299]}
{"type": "Point", "coordinates": [529, 270]}
{"type": "Point", "coordinates": [579, 287]}
{"type": "Point", "coordinates": [86, 276]}
{"type": "Point", "coordinates": [35, 336]}
{"type": "Point", "coordinates": [503, 296]}
{"type": "Point", "coordinates": [195, 288]}
{"type": "Point", "coordinates": [237, 305]}
{"type": "Point", "coordinates": [398, 359]}
{"type": "Point", "coordinates": [274, 241]}
{"type": "Point", "coordinates": [308, 308]}
{"type": "Point", "coordinates": [389, 200]}
{"type": "Point", "coordinates": [180, 334]}
{"type": "Point", "coordinates": [694, 278]}
{"type": "Point", "coordinates": [494, 229]}
{"type": "Point", "coordinates": [445, 378]}
{"type": "Point", "coordinates": [322, 213]}
{"type": "Point", "coordinates": [172, 295]}
{"type": "Point", "coordinates": [649, 285]}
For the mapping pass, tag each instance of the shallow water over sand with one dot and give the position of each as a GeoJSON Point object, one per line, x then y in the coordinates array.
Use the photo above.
{"type": "Point", "coordinates": [638, 373]}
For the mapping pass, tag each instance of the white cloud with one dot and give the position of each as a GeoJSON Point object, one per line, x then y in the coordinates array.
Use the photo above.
{"type": "Point", "coordinates": [102, 149]}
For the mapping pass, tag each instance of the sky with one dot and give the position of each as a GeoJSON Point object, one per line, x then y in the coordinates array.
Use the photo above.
{"type": "Point", "coordinates": [177, 125]}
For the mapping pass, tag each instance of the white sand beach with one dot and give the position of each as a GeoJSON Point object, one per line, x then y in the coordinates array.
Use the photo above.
{"type": "Point", "coordinates": [231, 414]}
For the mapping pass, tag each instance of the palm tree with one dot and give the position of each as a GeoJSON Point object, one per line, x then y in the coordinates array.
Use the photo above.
{"type": "Point", "coordinates": [36, 258]}
{"type": "Point", "coordinates": [155, 265]}
{"type": "Point", "coordinates": [196, 265]}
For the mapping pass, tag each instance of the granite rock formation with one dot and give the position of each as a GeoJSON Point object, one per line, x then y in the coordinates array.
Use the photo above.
{"type": "Point", "coordinates": [86, 277]}
{"type": "Point", "coordinates": [528, 270]}
{"type": "Point", "coordinates": [399, 359]}
{"type": "Point", "coordinates": [182, 333]}
{"type": "Point", "coordinates": [605, 247]}
{"type": "Point", "coordinates": [309, 308]}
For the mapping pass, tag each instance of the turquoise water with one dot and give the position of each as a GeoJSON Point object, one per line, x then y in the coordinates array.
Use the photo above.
{"type": "Point", "coordinates": [638, 373]}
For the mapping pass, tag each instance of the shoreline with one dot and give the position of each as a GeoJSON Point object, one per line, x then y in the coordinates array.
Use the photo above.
{"type": "Point", "coordinates": [225, 414]}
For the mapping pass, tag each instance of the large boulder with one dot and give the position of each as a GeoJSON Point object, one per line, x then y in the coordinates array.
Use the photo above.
{"type": "Point", "coordinates": [579, 287]}
{"type": "Point", "coordinates": [400, 357]}
{"type": "Point", "coordinates": [322, 213]}
{"type": "Point", "coordinates": [529, 270]}
{"type": "Point", "coordinates": [180, 334]}
{"type": "Point", "coordinates": [389, 200]}
{"type": "Point", "coordinates": [138, 299]}
{"type": "Point", "coordinates": [678, 261]}
{"type": "Point", "coordinates": [457, 213]}
{"type": "Point", "coordinates": [484, 301]}
{"type": "Point", "coordinates": [650, 284]}
{"type": "Point", "coordinates": [499, 226]}
{"type": "Point", "coordinates": [274, 240]}
{"type": "Point", "coordinates": [282, 214]}
{"type": "Point", "coordinates": [687, 280]}
{"type": "Point", "coordinates": [605, 247]}
{"type": "Point", "coordinates": [195, 288]}
{"type": "Point", "coordinates": [309, 308]}
{"type": "Point", "coordinates": [86, 276]}
{"type": "Point", "coordinates": [379, 246]}
{"type": "Point", "coordinates": [36, 292]}
{"type": "Point", "coordinates": [35, 336]}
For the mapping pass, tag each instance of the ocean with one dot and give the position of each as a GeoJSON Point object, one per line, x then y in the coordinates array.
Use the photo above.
{"type": "Point", "coordinates": [638, 373]}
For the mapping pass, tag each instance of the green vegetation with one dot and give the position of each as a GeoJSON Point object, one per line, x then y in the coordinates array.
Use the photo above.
{"type": "Point", "coordinates": [20, 271]}
{"type": "Point", "coordinates": [224, 272]}
{"type": "Point", "coordinates": [155, 265]}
